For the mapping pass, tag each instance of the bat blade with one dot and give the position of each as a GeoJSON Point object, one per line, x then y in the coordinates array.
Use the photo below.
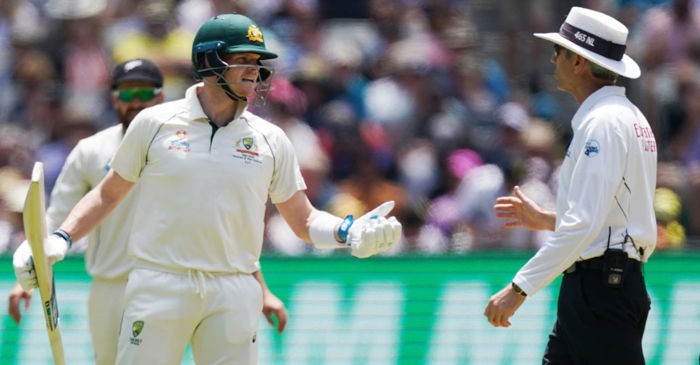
{"type": "Point", "coordinates": [34, 217]}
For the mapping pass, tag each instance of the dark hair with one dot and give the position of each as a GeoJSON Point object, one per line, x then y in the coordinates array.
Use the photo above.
{"type": "Point", "coordinates": [603, 73]}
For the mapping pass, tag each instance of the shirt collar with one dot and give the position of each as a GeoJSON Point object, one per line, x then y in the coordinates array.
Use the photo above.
{"type": "Point", "coordinates": [592, 100]}
{"type": "Point", "coordinates": [195, 107]}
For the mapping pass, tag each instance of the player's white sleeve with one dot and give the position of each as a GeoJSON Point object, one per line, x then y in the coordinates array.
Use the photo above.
{"type": "Point", "coordinates": [130, 157]}
{"type": "Point", "coordinates": [71, 185]}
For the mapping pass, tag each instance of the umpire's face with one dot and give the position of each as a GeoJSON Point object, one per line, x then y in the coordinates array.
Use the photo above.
{"type": "Point", "coordinates": [130, 97]}
{"type": "Point", "coordinates": [566, 68]}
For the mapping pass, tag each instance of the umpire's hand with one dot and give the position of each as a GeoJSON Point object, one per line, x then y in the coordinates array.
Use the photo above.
{"type": "Point", "coordinates": [502, 306]}
{"type": "Point", "coordinates": [373, 233]}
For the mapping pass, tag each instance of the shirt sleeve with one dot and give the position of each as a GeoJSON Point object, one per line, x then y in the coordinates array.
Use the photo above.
{"type": "Point", "coordinates": [287, 178]}
{"type": "Point", "coordinates": [70, 187]}
{"type": "Point", "coordinates": [598, 156]}
{"type": "Point", "coordinates": [130, 157]}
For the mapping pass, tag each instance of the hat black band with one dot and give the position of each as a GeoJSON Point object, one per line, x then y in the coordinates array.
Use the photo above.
{"type": "Point", "coordinates": [592, 42]}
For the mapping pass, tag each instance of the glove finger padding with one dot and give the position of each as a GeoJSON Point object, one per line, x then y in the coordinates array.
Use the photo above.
{"type": "Point", "coordinates": [372, 233]}
{"type": "Point", "coordinates": [374, 236]}
{"type": "Point", "coordinates": [23, 263]}
{"type": "Point", "coordinates": [358, 239]}
{"type": "Point", "coordinates": [390, 232]}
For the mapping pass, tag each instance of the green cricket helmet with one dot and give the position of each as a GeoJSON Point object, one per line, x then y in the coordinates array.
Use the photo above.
{"type": "Point", "coordinates": [223, 34]}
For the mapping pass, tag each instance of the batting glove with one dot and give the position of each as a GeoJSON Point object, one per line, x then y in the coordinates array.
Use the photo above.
{"type": "Point", "coordinates": [56, 246]}
{"type": "Point", "coordinates": [373, 233]}
{"type": "Point", "coordinates": [23, 260]}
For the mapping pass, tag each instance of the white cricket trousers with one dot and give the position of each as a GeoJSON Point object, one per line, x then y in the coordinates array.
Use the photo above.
{"type": "Point", "coordinates": [105, 308]}
{"type": "Point", "coordinates": [216, 314]}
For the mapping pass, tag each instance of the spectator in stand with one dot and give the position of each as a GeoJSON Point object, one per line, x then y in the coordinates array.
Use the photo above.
{"type": "Point", "coordinates": [83, 60]}
{"type": "Point", "coordinates": [162, 40]}
{"type": "Point", "coordinates": [663, 42]}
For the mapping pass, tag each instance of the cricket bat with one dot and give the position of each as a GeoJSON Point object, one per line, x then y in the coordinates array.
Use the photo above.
{"type": "Point", "coordinates": [34, 217]}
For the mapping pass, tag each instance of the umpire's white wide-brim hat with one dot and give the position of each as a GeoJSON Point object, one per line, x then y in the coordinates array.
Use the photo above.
{"type": "Point", "coordinates": [598, 38]}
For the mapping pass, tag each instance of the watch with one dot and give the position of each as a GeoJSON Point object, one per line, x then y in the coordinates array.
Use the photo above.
{"type": "Point", "coordinates": [517, 289]}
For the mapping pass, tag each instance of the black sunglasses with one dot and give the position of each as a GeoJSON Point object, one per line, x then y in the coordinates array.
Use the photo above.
{"type": "Point", "coordinates": [142, 93]}
{"type": "Point", "coordinates": [557, 48]}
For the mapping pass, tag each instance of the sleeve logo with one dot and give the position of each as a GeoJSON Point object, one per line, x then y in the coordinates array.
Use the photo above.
{"type": "Point", "coordinates": [592, 148]}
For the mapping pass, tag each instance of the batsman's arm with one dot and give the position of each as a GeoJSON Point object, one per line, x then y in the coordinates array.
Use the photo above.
{"type": "Point", "coordinates": [300, 215]}
{"type": "Point", "coordinates": [96, 205]}
{"type": "Point", "coordinates": [295, 212]}
{"type": "Point", "coordinates": [368, 235]}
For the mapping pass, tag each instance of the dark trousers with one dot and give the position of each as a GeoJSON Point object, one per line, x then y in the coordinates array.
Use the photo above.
{"type": "Point", "coordinates": [597, 324]}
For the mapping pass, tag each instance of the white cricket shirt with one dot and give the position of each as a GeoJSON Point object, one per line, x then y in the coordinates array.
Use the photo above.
{"type": "Point", "coordinates": [203, 190]}
{"type": "Point", "coordinates": [106, 256]}
{"type": "Point", "coordinates": [606, 184]}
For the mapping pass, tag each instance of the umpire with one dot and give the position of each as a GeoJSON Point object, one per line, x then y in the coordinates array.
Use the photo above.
{"type": "Point", "coordinates": [604, 225]}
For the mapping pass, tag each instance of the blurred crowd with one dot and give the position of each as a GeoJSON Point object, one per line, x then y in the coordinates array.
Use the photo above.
{"type": "Point", "coordinates": [440, 105]}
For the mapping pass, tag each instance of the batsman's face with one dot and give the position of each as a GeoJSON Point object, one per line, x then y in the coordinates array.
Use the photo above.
{"type": "Point", "coordinates": [243, 72]}
{"type": "Point", "coordinates": [130, 97]}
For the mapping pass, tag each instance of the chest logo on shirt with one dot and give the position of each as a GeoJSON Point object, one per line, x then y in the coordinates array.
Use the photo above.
{"type": "Point", "coordinates": [247, 150]}
{"type": "Point", "coordinates": [592, 148]}
{"type": "Point", "coordinates": [179, 142]}
{"type": "Point", "coordinates": [136, 329]}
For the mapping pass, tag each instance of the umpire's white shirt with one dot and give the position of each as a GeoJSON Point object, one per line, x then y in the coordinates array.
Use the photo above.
{"type": "Point", "coordinates": [106, 256]}
{"type": "Point", "coordinates": [203, 192]}
{"type": "Point", "coordinates": [607, 180]}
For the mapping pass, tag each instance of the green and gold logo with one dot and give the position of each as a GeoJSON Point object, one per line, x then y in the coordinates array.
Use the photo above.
{"type": "Point", "coordinates": [136, 328]}
{"type": "Point", "coordinates": [248, 142]}
{"type": "Point", "coordinates": [247, 149]}
{"type": "Point", "coordinates": [255, 34]}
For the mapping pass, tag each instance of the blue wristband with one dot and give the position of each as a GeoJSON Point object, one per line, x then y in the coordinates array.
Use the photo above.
{"type": "Point", "coordinates": [63, 234]}
{"type": "Point", "coordinates": [345, 228]}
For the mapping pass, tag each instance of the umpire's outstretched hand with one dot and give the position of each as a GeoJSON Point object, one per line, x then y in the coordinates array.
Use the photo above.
{"type": "Point", "coordinates": [502, 306]}
{"type": "Point", "coordinates": [373, 233]}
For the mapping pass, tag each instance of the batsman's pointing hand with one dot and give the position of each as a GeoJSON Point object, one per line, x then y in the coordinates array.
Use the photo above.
{"type": "Point", "coordinates": [373, 233]}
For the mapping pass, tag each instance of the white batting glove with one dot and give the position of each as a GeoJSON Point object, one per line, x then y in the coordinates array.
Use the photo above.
{"type": "Point", "coordinates": [23, 260]}
{"type": "Point", "coordinates": [56, 248]}
{"type": "Point", "coordinates": [373, 233]}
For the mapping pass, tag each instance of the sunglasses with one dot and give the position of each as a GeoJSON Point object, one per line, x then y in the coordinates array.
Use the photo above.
{"type": "Point", "coordinates": [142, 93]}
{"type": "Point", "coordinates": [557, 49]}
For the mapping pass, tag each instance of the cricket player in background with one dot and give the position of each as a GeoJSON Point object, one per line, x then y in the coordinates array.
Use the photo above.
{"type": "Point", "coordinates": [136, 84]}
{"type": "Point", "coordinates": [206, 167]}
